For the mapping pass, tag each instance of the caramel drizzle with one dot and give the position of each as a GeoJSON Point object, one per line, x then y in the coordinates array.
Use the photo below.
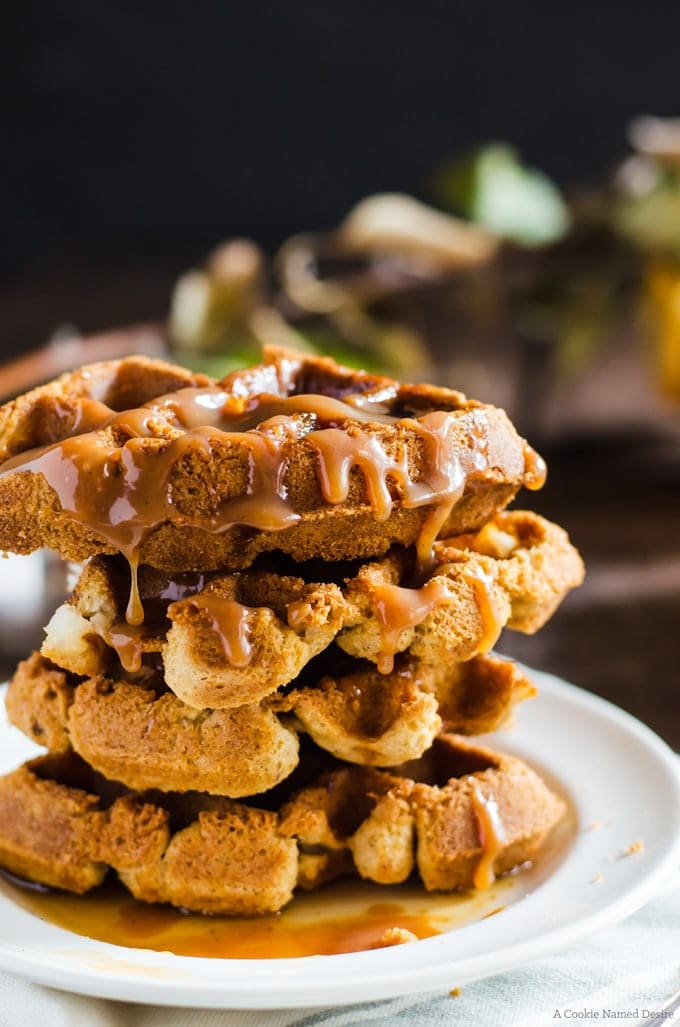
{"type": "Point", "coordinates": [82, 416]}
{"type": "Point", "coordinates": [535, 469]}
{"type": "Point", "coordinates": [197, 408]}
{"type": "Point", "coordinates": [492, 836]}
{"type": "Point", "coordinates": [230, 621]}
{"type": "Point", "coordinates": [443, 480]}
{"type": "Point", "coordinates": [398, 609]}
{"type": "Point", "coordinates": [492, 621]}
{"type": "Point", "coordinates": [433, 524]}
{"type": "Point", "coordinates": [134, 613]}
{"type": "Point", "coordinates": [128, 642]}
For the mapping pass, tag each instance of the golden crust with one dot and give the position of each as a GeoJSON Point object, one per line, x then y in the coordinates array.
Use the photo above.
{"type": "Point", "coordinates": [378, 815]}
{"type": "Point", "coordinates": [201, 480]}
{"type": "Point", "coordinates": [232, 861]}
{"type": "Point", "coordinates": [50, 412]}
{"type": "Point", "coordinates": [144, 740]}
{"type": "Point", "coordinates": [380, 720]}
{"type": "Point", "coordinates": [288, 623]}
{"type": "Point", "coordinates": [48, 829]}
{"type": "Point", "coordinates": [482, 588]}
{"type": "Point", "coordinates": [132, 734]}
{"type": "Point", "coordinates": [61, 825]}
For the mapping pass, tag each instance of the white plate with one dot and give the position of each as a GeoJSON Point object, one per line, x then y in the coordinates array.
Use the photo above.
{"type": "Point", "coordinates": [618, 775]}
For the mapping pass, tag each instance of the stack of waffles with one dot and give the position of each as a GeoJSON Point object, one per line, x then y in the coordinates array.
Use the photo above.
{"type": "Point", "coordinates": [276, 656]}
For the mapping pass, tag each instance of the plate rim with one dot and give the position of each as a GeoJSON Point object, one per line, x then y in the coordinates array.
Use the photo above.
{"type": "Point", "coordinates": [379, 972]}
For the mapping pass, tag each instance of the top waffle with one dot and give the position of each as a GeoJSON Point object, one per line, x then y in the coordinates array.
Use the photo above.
{"type": "Point", "coordinates": [181, 472]}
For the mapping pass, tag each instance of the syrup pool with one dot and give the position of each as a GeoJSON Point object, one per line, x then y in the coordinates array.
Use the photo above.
{"type": "Point", "coordinates": [346, 916]}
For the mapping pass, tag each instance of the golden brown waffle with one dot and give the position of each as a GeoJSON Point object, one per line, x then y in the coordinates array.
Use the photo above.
{"type": "Point", "coordinates": [297, 455]}
{"type": "Point", "coordinates": [231, 639]}
{"type": "Point", "coordinates": [426, 815]}
{"type": "Point", "coordinates": [63, 826]}
{"type": "Point", "coordinates": [149, 739]}
{"type": "Point", "coordinates": [515, 571]}
{"type": "Point", "coordinates": [380, 720]}
{"type": "Point", "coordinates": [225, 639]}
{"type": "Point", "coordinates": [145, 737]}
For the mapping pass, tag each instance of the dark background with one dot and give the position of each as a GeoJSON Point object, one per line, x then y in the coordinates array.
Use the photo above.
{"type": "Point", "coordinates": [139, 134]}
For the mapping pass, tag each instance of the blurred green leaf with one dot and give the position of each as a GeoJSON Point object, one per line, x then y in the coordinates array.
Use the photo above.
{"type": "Point", "coordinates": [493, 188]}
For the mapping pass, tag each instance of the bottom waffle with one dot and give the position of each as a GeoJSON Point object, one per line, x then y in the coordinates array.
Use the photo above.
{"type": "Point", "coordinates": [459, 815]}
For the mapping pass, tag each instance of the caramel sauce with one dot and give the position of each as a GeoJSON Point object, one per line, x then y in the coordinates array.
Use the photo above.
{"type": "Point", "coordinates": [180, 586]}
{"type": "Point", "coordinates": [134, 613]}
{"type": "Point", "coordinates": [194, 408]}
{"type": "Point", "coordinates": [433, 524]}
{"type": "Point", "coordinates": [492, 623]}
{"type": "Point", "coordinates": [398, 609]}
{"type": "Point", "coordinates": [127, 641]}
{"type": "Point", "coordinates": [229, 621]}
{"type": "Point", "coordinates": [131, 640]}
{"type": "Point", "coordinates": [491, 835]}
{"type": "Point", "coordinates": [340, 452]}
{"type": "Point", "coordinates": [81, 416]}
{"type": "Point", "coordinates": [535, 469]}
{"type": "Point", "coordinates": [347, 916]}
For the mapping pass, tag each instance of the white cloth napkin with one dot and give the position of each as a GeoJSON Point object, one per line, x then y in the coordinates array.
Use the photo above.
{"type": "Point", "coordinates": [632, 968]}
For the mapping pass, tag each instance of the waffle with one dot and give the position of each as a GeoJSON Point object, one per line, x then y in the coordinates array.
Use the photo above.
{"type": "Point", "coordinates": [260, 628]}
{"type": "Point", "coordinates": [226, 639]}
{"type": "Point", "coordinates": [425, 815]}
{"type": "Point", "coordinates": [380, 720]}
{"type": "Point", "coordinates": [144, 736]}
{"type": "Point", "coordinates": [63, 826]}
{"type": "Point", "coordinates": [297, 455]}
{"type": "Point", "coordinates": [515, 571]}
{"type": "Point", "coordinates": [149, 739]}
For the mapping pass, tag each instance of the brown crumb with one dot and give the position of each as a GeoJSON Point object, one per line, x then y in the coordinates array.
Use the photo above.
{"type": "Point", "coordinates": [455, 992]}
{"type": "Point", "coordinates": [637, 846]}
{"type": "Point", "coordinates": [394, 936]}
{"type": "Point", "coordinates": [594, 826]}
{"type": "Point", "coordinates": [597, 879]}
